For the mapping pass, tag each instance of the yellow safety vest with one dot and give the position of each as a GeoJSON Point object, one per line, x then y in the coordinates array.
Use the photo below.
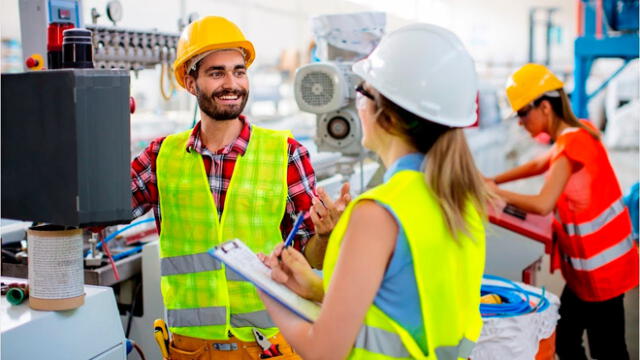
{"type": "Point", "coordinates": [202, 298]}
{"type": "Point", "coordinates": [448, 275]}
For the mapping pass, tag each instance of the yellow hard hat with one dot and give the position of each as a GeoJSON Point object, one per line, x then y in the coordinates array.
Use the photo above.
{"type": "Point", "coordinates": [209, 33]}
{"type": "Point", "coordinates": [529, 83]}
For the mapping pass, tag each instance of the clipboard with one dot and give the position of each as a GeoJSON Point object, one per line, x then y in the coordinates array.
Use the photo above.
{"type": "Point", "coordinates": [239, 258]}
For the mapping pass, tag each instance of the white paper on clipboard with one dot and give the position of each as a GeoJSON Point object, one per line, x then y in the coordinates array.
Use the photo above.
{"type": "Point", "coordinates": [239, 258]}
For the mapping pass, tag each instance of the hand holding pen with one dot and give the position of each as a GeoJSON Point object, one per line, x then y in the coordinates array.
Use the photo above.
{"type": "Point", "coordinates": [290, 268]}
{"type": "Point", "coordinates": [296, 225]}
{"type": "Point", "coordinates": [277, 251]}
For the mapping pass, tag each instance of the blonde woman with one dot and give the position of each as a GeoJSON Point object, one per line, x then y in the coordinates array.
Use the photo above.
{"type": "Point", "coordinates": [403, 266]}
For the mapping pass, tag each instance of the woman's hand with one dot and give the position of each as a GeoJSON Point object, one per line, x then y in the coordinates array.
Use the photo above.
{"type": "Point", "coordinates": [491, 184]}
{"type": "Point", "coordinates": [325, 212]}
{"type": "Point", "coordinates": [290, 268]}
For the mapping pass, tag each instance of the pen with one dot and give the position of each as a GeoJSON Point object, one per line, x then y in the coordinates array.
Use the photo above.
{"type": "Point", "coordinates": [296, 225]}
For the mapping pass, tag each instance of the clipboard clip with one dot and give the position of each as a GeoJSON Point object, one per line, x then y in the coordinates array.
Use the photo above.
{"type": "Point", "coordinates": [228, 246]}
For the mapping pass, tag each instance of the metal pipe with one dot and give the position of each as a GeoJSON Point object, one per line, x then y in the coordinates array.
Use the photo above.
{"type": "Point", "coordinates": [579, 20]}
{"type": "Point", "coordinates": [606, 82]}
{"type": "Point", "coordinates": [598, 19]}
{"type": "Point", "coordinates": [532, 35]}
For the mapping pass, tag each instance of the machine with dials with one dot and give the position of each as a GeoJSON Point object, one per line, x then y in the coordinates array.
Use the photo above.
{"type": "Point", "coordinates": [79, 118]}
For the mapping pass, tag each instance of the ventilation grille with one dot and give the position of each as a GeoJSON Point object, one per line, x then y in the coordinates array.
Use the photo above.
{"type": "Point", "coordinates": [317, 89]}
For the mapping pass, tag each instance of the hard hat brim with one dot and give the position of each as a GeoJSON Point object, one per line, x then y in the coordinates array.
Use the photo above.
{"type": "Point", "coordinates": [178, 65]}
{"type": "Point", "coordinates": [362, 68]}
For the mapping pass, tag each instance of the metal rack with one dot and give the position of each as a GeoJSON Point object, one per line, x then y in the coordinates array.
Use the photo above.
{"type": "Point", "coordinates": [121, 48]}
{"type": "Point", "coordinates": [606, 29]}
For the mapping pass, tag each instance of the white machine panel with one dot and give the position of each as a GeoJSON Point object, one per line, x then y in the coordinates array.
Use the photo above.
{"type": "Point", "coordinates": [92, 331]}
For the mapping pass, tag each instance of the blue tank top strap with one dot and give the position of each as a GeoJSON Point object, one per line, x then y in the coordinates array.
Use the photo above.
{"type": "Point", "coordinates": [398, 295]}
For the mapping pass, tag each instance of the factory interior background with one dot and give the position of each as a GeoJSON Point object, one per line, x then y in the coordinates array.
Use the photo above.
{"type": "Point", "coordinates": [500, 35]}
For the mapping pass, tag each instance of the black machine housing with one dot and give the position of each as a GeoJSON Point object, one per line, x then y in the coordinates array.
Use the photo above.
{"type": "Point", "coordinates": [66, 147]}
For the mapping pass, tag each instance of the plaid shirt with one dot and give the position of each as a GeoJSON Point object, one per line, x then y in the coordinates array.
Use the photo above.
{"type": "Point", "coordinates": [219, 168]}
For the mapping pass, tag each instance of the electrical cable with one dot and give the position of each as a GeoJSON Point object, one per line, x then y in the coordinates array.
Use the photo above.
{"type": "Point", "coordinates": [139, 350]}
{"type": "Point", "coordinates": [116, 274]}
{"type": "Point", "coordinates": [113, 259]}
{"type": "Point", "coordinates": [116, 233]}
{"type": "Point", "coordinates": [9, 254]}
{"type": "Point", "coordinates": [515, 300]}
{"type": "Point", "coordinates": [133, 307]}
{"type": "Point", "coordinates": [172, 87]}
{"type": "Point", "coordinates": [126, 253]}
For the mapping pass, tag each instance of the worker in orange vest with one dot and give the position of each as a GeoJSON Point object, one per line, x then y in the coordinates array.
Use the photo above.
{"type": "Point", "coordinates": [594, 248]}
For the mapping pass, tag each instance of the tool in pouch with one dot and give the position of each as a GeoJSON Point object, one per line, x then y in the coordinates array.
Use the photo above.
{"type": "Point", "coordinates": [161, 334]}
{"type": "Point", "coordinates": [268, 350]}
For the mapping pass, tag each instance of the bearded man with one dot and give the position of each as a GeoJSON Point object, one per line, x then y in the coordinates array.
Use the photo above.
{"type": "Point", "coordinates": [221, 180]}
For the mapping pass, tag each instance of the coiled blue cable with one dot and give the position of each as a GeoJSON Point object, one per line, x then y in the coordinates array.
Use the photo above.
{"type": "Point", "coordinates": [515, 299]}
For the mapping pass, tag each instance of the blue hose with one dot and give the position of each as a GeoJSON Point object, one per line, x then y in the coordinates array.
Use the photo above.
{"type": "Point", "coordinates": [134, 250]}
{"type": "Point", "coordinates": [114, 234]}
{"type": "Point", "coordinates": [515, 299]}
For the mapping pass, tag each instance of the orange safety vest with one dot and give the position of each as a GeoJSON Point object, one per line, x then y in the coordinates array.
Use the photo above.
{"type": "Point", "coordinates": [598, 256]}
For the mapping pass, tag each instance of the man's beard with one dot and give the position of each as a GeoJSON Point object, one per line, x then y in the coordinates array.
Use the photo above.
{"type": "Point", "coordinates": [209, 106]}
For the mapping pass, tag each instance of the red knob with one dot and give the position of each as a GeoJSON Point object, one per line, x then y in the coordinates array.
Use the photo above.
{"type": "Point", "coordinates": [132, 104]}
{"type": "Point", "coordinates": [31, 62]}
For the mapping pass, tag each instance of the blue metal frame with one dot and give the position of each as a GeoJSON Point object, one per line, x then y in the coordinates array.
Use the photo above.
{"type": "Point", "coordinates": [588, 49]}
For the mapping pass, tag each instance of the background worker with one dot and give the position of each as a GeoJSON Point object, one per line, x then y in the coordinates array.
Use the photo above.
{"type": "Point", "coordinates": [404, 263]}
{"type": "Point", "coordinates": [223, 179]}
{"type": "Point", "coordinates": [597, 255]}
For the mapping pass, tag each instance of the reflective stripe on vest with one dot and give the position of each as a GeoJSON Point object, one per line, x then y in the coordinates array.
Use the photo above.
{"type": "Point", "coordinates": [594, 225]}
{"type": "Point", "coordinates": [603, 258]}
{"type": "Point", "coordinates": [217, 315]}
{"type": "Point", "coordinates": [193, 264]}
{"type": "Point", "coordinates": [259, 319]}
{"type": "Point", "coordinates": [462, 350]}
{"type": "Point", "coordinates": [185, 264]}
{"type": "Point", "coordinates": [381, 342]}
{"type": "Point", "coordinates": [205, 316]}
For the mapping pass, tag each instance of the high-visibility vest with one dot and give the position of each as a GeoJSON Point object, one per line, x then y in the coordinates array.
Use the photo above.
{"type": "Point", "coordinates": [598, 257]}
{"type": "Point", "coordinates": [448, 275]}
{"type": "Point", "coordinates": [202, 298]}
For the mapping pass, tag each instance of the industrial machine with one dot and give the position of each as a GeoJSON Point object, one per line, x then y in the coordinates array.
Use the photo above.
{"type": "Point", "coordinates": [114, 47]}
{"type": "Point", "coordinates": [66, 161]}
{"type": "Point", "coordinates": [89, 332]}
{"type": "Point", "coordinates": [70, 127]}
{"type": "Point", "coordinates": [606, 29]}
{"type": "Point", "coordinates": [326, 88]}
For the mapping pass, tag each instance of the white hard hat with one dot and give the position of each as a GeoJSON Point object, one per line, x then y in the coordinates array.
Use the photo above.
{"type": "Point", "coordinates": [426, 70]}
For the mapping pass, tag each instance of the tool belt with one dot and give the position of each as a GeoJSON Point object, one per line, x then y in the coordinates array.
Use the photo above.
{"type": "Point", "coordinates": [190, 348]}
